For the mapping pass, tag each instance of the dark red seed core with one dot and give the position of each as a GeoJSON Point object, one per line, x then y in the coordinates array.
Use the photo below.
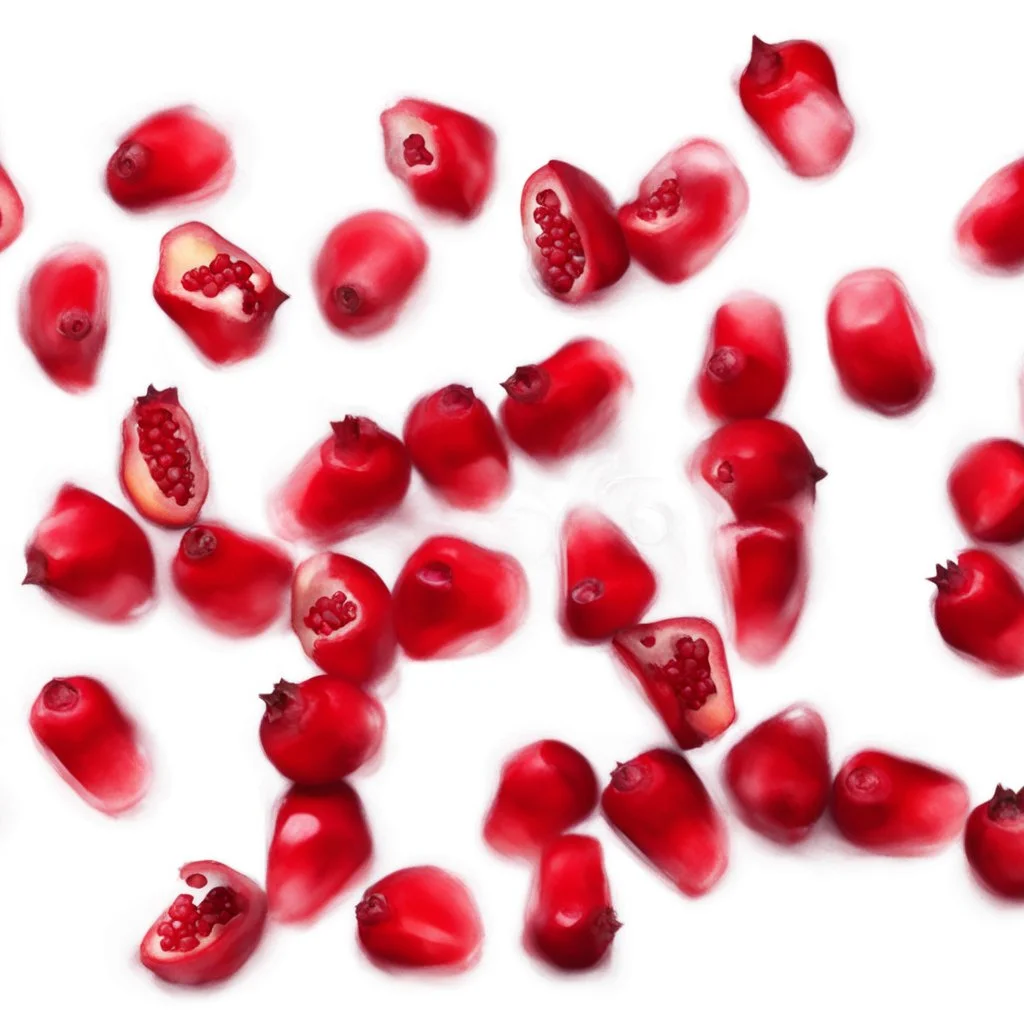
{"type": "Point", "coordinates": [1005, 805]}
{"type": "Point", "coordinates": [627, 776]}
{"type": "Point", "coordinates": [724, 473]}
{"type": "Point", "coordinates": [281, 700]}
{"type": "Point", "coordinates": [726, 364]}
{"type": "Point", "coordinates": [950, 579]}
{"type": "Point", "coordinates": [863, 781]}
{"type": "Point", "coordinates": [329, 614]}
{"type": "Point", "coordinates": [196, 881]}
{"type": "Point", "coordinates": [130, 160]}
{"type": "Point", "coordinates": [198, 542]}
{"type": "Point", "coordinates": [60, 695]}
{"type": "Point", "coordinates": [164, 449]}
{"type": "Point", "coordinates": [186, 925]}
{"type": "Point", "coordinates": [559, 243]}
{"type": "Point", "coordinates": [587, 591]}
{"type": "Point", "coordinates": [372, 908]}
{"type": "Point", "coordinates": [605, 923]}
{"type": "Point", "coordinates": [765, 63]}
{"type": "Point", "coordinates": [415, 152]}
{"type": "Point", "coordinates": [456, 399]}
{"type": "Point", "coordinates": [662, 202]}
{"type": "Point", "coordinates": [347, 298]}
{"type": "Point", "coordinates": [74, 323]}
{"type": "Point", "coordinates": [688, 673]}
{"type": "Point", "coordinates": [528, 384]}
{"type": "Point", "coordinates": [222, 273]}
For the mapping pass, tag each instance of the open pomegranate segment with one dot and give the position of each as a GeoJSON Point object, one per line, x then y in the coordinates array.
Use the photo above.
{"type": "Point", "coordinates": [12, 211]}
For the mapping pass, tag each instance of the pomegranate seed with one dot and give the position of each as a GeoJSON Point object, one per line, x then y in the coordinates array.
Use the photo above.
{"type": "Point", "coordinates": [994, 843]}
{"type": "Point", "coordinates": [12, 211]}
{"type": "Point", "coordinates": [986, 487]}
{"type": "Point", "coordinates": [990, 229]}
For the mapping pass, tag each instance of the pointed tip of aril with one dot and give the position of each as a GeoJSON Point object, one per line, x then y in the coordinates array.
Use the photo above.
{"type": "Point", "coordinates": [527, 384]}
{"type": "Point", "coordinates": [818, 474]}
{"type": "Point", "coordinates": [35, 568]}
{"type": "Point", "coordinates": [764, 61]}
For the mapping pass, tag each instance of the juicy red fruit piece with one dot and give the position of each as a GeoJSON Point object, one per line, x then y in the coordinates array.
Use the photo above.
{"type": "Point", "coordinates": [986, 487]}
{"type": "Point", "coordinates": [990, 229]}
{"type": "Point", "coordinates": [92, 743]}
{"type": "Point", "coordinates": [12, 211]}
{"type": "Point", "coordinates": [994, 843]}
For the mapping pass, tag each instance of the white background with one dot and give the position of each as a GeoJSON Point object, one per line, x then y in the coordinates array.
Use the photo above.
{"type": "Point", "coordinates": [816, 933]}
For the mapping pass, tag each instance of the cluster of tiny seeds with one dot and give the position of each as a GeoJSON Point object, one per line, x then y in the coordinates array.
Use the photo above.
{"type": "Point", "coordinates": [187, 925]}
{"type": "Point", "coordinates": [165, 452]}
{"type": "Point", "coordinates": [415, 151]}
{"type": "Point", "coordinates": [223, 272]}
{"type": "Point", "coordinates": [559, 242]}
{"type": "Point", "coordinates": [330, 613]}
{"type": "Point", "coordinates": [688, 673]}
{"type": "Point", "coordinates": [664, 200]}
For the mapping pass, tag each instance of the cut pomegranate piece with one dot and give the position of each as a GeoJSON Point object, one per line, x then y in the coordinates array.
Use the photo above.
{"type": "Point", "coordinates": [685, 211]}
{"type": "Point", "coordinates": [746, 364]}
{"type": "Point", "coordinates": [994, 843]}
{"type": "Point", "coordinates": [778, 775]}
{"type": "Point", "coordinates": [320, 843]}
{"type": "Point", "coordinates": [173, 156]}
{"type": "Point", "coordinates": [91, 742]}
{"type": "Point", "coordinates": [63, 315]}
{"type": "Point", "coordinates": [344, 484]}
{"type": "Point", "coordinates": [342, 613]}
{"type": "Point", "coordinates": [444, 157]}
{"type": "Point", "coordinates": [195, 943]}
{"type": "Point", "coordinates": [12, 211]}
{"type": "Point", "coordinates": [366, 270]}
{"type": "Point", "coordinates": [790, 92]}
{"type": "Point", "coordinates": [681, 667]}
{"type": "Point", "coordinates": [567, 402]}
{"type": "Point", "coordinates": [318, 731]}
{"type": "Point", "coordinates": [236, 584]}
{"type": "Point", "coordinates": [890, 805]}
{"type": "Point", "coordinates": [658, 804]}
{"type": "Point", "coordinates": [455, 598]}
{"type": "Point", "coordinates": [215, 292]}
{"type": "Point", "coordinates": [990, 229]}
{"type": "Point", "coordinates": [455, 444]}
{"type": "Point", "coordinates": [545, 789]}
{"type": "Point", "coordinates": [571, 232]}
{"type": "Point", "coordinates": [420, 917]}
{"type": "Point", "coordinates": [92, 557]}
{"type": "Point", "coordinates": [986, 487]}
{"type": "Point", "coordinates": [570, 922]}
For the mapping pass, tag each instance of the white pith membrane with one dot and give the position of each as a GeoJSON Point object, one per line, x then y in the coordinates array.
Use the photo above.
{"type": "Point", "coordinates": [400, 127]}
{"type": "Point", "coordinates": [191, 250]}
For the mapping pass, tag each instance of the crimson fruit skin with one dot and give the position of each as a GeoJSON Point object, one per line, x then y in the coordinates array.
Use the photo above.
{"type": "Point", "coordinates": [990, 228]}
{"type": "Point", "coordinates": [443, 156]}
{"type": "Point", "coordinates": [320, 730]}
{"type": "Point", "coordinates": [986, 488]}
{"type": "Point", "coordinates": [778, 775]}
{"type": "Point", "coordinates": [571, 231]}
{"type": "Point", "coordinates": [659, 805]}
{"type": "Point", "coordinates": [217, 935]}
{"type": "Point", "coordinates": [994, 843]}
{"type": "Point", "coordinates": [790, 92]}
{"type": "Point", "coordinates": [686, 209]}
{"type": "Point", "coordinates": [566, 403]}
{"type": "Point", "coordinates": [693, 700]}
{"type": "Point", "coordinates": [92, 743]}
{"type": "Point", "coordinates": [12, 211]}
{"type": "Point", "coordinates": [570, 921]}
{"type": "Point", "coordinates": [216, 293]}
{"type": "Point", "coordinates": [343, 615]}
{"type": "Point", "coordinates": [236, 584]}
{"type": "Point", "coordinates": [172, 156]}
{"type": "Point", "coordinates": [92, 557]}
{"type": "Point", "coordinates": [420, 917]}
{"type": "Point", "coordinates": [545, 789]}
{"type": "Point", "coordinates": [366, 270]}
{"type": "Point", "coordinates": [454, 598]}
{"type": "Point", "coordinates": [321, 841]}
{"type": "Point", "coordinates": [894, 806]}
{"type": "Point", "coordinates": [457, 448]}
{"type": "Point", "coordinates": [63, 315]}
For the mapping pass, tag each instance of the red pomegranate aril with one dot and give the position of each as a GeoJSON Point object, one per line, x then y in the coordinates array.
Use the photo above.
{"type": "Point", "coordinates": [173, 156]}
{"type": "Point", "coordinates": [12, 211]}
{"type": "Point", "coordinates": [990, 229]}
{"type": "Point", "coordinates": [236, 584]}
{"type": "Point", "coordinates": [570, 921]}
{"type": "Point", "coordinates": [443, 156]}
{"type": "Point", "coordinates": [545, 789]}
{"type": "Point", "coordinates": [321, 841]}
{"type": "Point", "coordinates": [342, 613]}
{"type": "Point", "coordinates": [91, 742]}
{"type": "Point", "coordinates": [366, 271]}
{"type": "Point", "coordinates": [986, 487]}
{"type": "Point", "coordinates": [778, 775]}
{"type": "Point", "coordinates": [197, 943]}
{"type": "Point", "coordinates": [89, 555]}
{"type": "Point", "coordinates": [994, 843]}
{"type": "Point", "coordinates": [887, 804]}
{"type": "Point", "coordinates": [681, 667]}
{"type": "Point", "coordinates": [455, 444]}
{"type": "Point", "coordinates": [658, 804]}
{"type": "Point", "coordinates": [63, 315]}
{"type": "Point", "coordinates": [790, 92]}
{"type": "Point", "coordinates": [318, 731]}
{"type": "Point", "coordinates": [454, 598]}
{"type": "Point", "coordinates": [571, 232]}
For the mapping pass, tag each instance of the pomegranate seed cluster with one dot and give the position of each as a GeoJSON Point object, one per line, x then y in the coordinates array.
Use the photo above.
{"type": "Point", "coordinates": [223, 272]}
{"type": "Point", "coordinates": [663, 201]}
{"type": "Point", "coordinates": [558, 241]}
{"type": "Point", "coordinates": [165, 451]}
{"type": "Point", "coordinates": [688, 673]}
{"type": "Point", "coordinates": [187, 924]}
{"type": "Point", "coordinates": [331, 613]}
{"type": "Point", "coordinates": [415, 152]}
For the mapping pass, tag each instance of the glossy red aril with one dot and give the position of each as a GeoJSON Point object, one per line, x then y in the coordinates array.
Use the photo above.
{"type": "Point", "coordinates": [545, 789]}
{"type": "Point", "coordinates": [658, 804]}
{"type": "Point", "coordinates": [91, 742]}
{"type": "Point", "coordinates": [790, 92]}
{"type": "Point", "coordinates": [366, 270]}
{"type": "Point", "coordinates": [570, 921]}
{"type": "Point", "coordinates": [236, 584]}
{"type": "Point", "coordinates": [420, 917]}
{"type": "Point", "coordinates": [986, 487]}
{"type": "Point", "coordinates": [342, 613]}
{"type": "Point", "coordinates": [344, 484]}
{"type": "Point", "coordinates": [194, 943]}
{"type": "Point", "coordinates": [571, 232]}
{"type": "Point", "coordinates": [92, 557]}
{"type": "Point", "coordinates": [63, 315]}
{"type": "Point", "coordinates": [215, 292]}
{"type": "Point", "coordinates": [567, 402]}
{"type": "Point", "coordinates": [746, 363]}
{"type": "Point", "coordinates": [320, 730]}
{"type": "Point", "coordinates": [456, 446]}
{"type": "Point", "coordinates": [990, 229]}
{"type": "Point", "coordinates": [173, 156]}
{"type": "Point", "coordinates": [455, 598]}
{"type": "Point", "coordinates": [890, 805]}
{"type": "Point", "coordinates": [778, 775]}
{"type": "Point", "coordinates": [444, 157]}
{"type": "Point", "coordinates": [12, 211]}
{"type": "Point", "coordinates": [994, 843]}
{"type": "Point", "coordinates": [320, 842]}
